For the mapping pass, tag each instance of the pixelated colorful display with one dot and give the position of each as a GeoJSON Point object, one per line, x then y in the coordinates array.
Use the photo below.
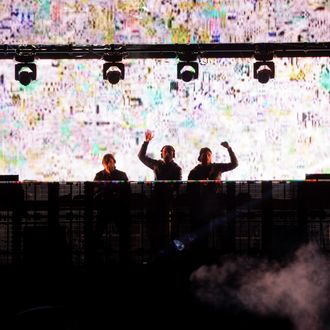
{"type": "Point", "coordinates": [163, 21]}
{"type": "Point", "coordinates": [60, 126]}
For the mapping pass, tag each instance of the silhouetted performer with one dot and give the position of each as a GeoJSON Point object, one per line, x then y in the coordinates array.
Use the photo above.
{"type": "Point", "coordinates": [165, 168]}
{"type": "Point", "coordinates": [162, 197]}
{"type": "Point", "coordinates": [110, 173]}
{"type": "Point", "coordinates": [113, 199]}
{"type": "Point", "coordinates": [206, 204]}
{"type": "Point", "coordinates": [207, 170]}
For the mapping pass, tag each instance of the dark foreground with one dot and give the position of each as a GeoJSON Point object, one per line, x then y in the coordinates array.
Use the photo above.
{"type": "Point", "coordinates": [117, 296]}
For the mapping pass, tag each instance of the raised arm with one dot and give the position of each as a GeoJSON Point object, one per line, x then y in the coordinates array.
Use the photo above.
{"type": "Point", "coordinates": [233, 160]}
{"type": "Point", "coordinates": [151, 163]}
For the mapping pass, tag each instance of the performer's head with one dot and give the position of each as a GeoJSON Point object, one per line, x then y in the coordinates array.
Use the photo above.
{"type": "Point", "coordinates": [109, 162]}
{"type": "Point", "coordinates": [167, 153]}
{"type": "Point", "coordinates": [205, 156]}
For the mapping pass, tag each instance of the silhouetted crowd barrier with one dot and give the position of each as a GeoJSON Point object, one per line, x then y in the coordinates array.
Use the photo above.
{"type": "Point", "coordinates": [80, 223]}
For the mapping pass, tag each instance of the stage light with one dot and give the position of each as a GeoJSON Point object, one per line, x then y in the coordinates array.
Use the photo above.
{"type": "Point", "coordinates": [187, 71]}
{"type": "Point", "coordinates": [113, 72]}
{"type": "Point", "coordinates": [264, 68]}
{"type": "Point", "coordinates": [25, 73]}
{"type": "Point", "coordinates": [263, 71]}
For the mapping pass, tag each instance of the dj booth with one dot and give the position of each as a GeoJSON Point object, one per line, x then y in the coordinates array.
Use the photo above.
{"type": "Point", "coordinates": [55, 222]}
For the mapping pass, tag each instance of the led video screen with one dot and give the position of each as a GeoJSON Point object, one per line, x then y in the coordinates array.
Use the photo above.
{"type": "Point", "coordinates": [60, 126]}
{"type": "Point", "coordinates": [163, 21]}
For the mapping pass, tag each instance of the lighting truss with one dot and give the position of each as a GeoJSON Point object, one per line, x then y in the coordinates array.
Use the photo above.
{"type": "Point", "coordinates": [165, 51]}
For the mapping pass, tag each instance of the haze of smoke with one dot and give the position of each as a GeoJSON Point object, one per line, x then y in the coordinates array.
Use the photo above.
{"type": "Point", "coordinates": [298, 290]}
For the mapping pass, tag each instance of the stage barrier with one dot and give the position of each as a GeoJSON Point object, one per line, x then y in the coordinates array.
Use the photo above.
{"type": "Point", "coordinates": [77, 223]}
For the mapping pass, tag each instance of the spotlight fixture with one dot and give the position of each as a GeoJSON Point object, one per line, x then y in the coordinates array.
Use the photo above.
{"type": "Point", "coordinates": [25, 73]}
{"type": "Point", "coordinates": [113, 72]}
{"type": "Point", "coordinates": [187, 71]}
{"type": "Point", "coordinates": [25, 70]}
{"type": "Point", "coordinates": [263, 71]}
{"type": "Point", "coordinates": [264, 68]}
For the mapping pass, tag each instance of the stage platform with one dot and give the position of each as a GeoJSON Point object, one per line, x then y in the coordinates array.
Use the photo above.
{"type": "Point", "coordinates": [54, 273]}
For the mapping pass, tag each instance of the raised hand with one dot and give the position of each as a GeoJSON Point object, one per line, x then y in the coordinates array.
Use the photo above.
{"type": "Point", "coordinates": [148, 135]}
{"type": "Point", "coordinates": [225, 144]}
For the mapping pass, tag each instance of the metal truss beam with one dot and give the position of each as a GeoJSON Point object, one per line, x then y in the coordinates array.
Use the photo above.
{"type": "Point", "coordinates": [166, 51]}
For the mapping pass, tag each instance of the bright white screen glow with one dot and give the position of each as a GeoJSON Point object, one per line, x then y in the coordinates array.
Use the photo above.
{"type": "Point", "coordinates": [59, 127]}
{"type": "Point", "coordinates": [163, 21]}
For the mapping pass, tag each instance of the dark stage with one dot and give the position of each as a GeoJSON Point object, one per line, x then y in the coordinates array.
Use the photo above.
{"type": "Point", "coordinates": [236, 255]}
